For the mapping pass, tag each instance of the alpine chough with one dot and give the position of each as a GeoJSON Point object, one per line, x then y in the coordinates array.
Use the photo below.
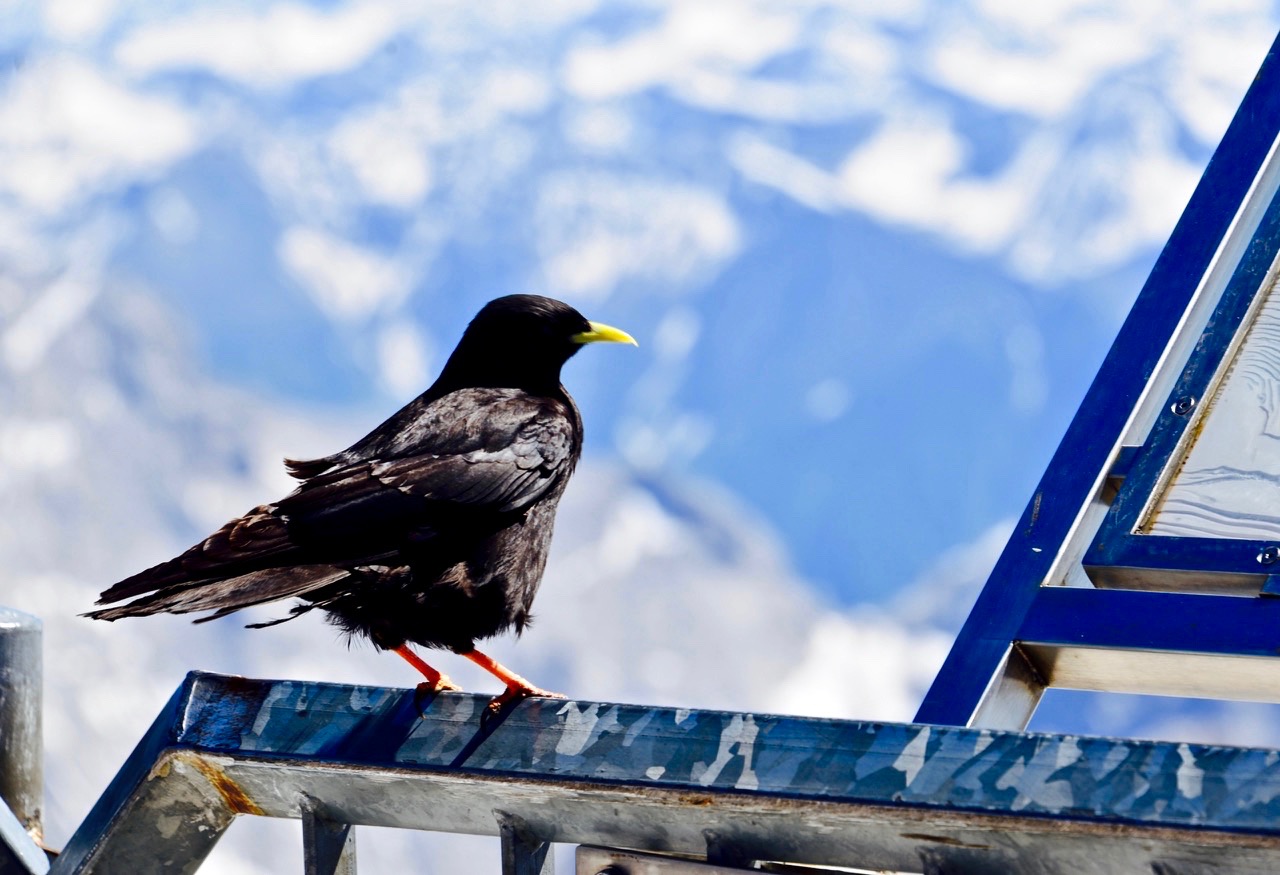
{"type": "Point", "coordinates": [433, 529]}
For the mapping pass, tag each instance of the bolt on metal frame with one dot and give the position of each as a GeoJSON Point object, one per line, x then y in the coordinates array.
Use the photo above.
{"type": "Point", "coordinates": [1081, 597]}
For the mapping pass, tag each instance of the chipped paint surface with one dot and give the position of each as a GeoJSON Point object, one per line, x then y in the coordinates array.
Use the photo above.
{"type": "Point", "coordinates": [827, 792]}
{"type": "Point", "coordinates": [897, 764]}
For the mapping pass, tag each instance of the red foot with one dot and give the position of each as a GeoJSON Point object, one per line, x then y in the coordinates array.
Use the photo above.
{"type": "Point", "coordinates": [440, 686]}
{"type": "Point", "coordinates": [515, 694]}
{"type": "Point", "coordinates": [517, 687]}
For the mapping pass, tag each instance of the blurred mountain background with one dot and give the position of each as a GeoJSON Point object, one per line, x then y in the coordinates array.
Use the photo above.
{"type": "Point", "coordinates": [874, 253]}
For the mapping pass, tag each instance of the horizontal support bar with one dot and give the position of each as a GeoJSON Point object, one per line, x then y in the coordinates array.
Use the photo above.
{"type": "Point", "coordinates": [878, 796]}
{"type": "Point", "coordinates": [1161, 644]}
{"type": "Point", "coordinates": [1156, 672]}
{"type": "Point", "coordinates": [1125, 557]}
{"type": "Point", "coordinates": [1174, 622]}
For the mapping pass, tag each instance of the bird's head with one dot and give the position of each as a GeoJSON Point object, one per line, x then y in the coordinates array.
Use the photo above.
{"type": "Point", "coordinates": [522, 341]}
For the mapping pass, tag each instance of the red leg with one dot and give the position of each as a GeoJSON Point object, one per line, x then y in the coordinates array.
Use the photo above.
{"type": "Point", "coordinates": [436, 681]}
{"type": "Point", "coordinates": [517, 687]}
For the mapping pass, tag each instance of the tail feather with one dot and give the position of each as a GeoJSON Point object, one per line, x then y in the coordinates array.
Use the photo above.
{"type": "Point", "coordinates": [305, 469]}
{"type": "Point", "coordinates": [229, 595]}
{"type": "Point", "coordinates": [249, 543]}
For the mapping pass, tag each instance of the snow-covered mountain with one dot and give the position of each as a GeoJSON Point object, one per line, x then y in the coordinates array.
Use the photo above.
{"type": "Point", "coordinates": [873, 255]}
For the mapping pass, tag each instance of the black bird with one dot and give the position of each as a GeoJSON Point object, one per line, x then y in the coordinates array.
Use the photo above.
{"type": "Point", "coordinates": [434, 528]}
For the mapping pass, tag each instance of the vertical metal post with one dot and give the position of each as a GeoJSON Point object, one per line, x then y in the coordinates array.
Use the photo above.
{"type": "Point", "coordinates": [21, 734]}
{"type": "Point", "coordinates": [723, 850]}
{"type": "Point", "coordinates": [1011, 700]}
{"type": "Point", "coordinates": [328, 847]}
{"type": "Point", "coordinates": [523, 853]}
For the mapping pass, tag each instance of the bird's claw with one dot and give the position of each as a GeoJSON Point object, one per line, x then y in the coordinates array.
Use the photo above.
{"type": "Point", "coordinates": [511, 695]}
{"type": "Point", "coordinates": [425, 690]}
{"type": "Point", "coordinates": [444, 685]}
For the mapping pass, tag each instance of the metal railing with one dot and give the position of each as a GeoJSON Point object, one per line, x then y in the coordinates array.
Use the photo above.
{"type": "Point", "coordinates": [728, 788]}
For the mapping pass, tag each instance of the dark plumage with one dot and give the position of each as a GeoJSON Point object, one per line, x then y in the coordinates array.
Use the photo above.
{"type": "Point", "coordinates": [432, 529]}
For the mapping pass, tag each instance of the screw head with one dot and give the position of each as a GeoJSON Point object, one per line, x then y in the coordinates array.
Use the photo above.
{"type": "Point", "coordinates": [1268, 555]}
{"type": "Point", "coordinates": [1183, 405]}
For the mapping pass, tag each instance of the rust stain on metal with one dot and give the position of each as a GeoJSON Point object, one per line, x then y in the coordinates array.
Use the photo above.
{"type": "Point", "coordinates": [943, 840]}
{"type": "Point", "coordinates": [698, 800]}
{"type": "Point", "coordinates": [161, 769]}
{"type": "Point", "coordinates": [234, 797]}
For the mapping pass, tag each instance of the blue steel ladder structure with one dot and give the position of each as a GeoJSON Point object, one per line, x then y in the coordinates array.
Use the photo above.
{"type": "Point", "coordinates": [1079, 598]}
{"type": "Point", "coordinates": [1082, 598]}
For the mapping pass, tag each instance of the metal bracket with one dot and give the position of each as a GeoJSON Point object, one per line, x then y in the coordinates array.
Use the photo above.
{"type": "Point", "coordinates": [523, 852]}
{"type": "Point", "coordinates": [328, 847]}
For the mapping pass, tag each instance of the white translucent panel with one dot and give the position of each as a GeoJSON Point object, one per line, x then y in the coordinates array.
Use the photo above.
{"type": "Point", "coordinates": [1229, 483]}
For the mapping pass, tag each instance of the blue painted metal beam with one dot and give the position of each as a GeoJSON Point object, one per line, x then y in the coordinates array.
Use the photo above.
{"type": "Point", "coordinates": [1171, 622]}
{"type": "Point", "coordinates": [762, 787]}
{"type": "Point", "coordinates": [1073, 474]}
{"type": "Point", "coordinates": [1134, 557]}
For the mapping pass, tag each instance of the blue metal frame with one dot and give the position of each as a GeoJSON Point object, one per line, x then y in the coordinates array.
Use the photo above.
{"type": "Point", "coordinates": [1071, 480]}
{"type": "Point", "coordinates": [1119, 543]}
{"type": "Point", "coordinates": [690, 782]}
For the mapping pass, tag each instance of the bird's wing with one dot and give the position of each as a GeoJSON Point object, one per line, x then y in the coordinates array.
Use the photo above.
{"type": "Point", "coordinates": [502, 478]}
{"type": "Point", "coordinates": [451, 424]}
{"type": "Point", "coordinates": [505, 467]}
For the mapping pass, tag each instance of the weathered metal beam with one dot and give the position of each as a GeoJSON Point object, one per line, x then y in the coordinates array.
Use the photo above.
{"type": "Point", "coordinates": [162, 813]}
{"type": "Point", "coordinates": [877, 796]}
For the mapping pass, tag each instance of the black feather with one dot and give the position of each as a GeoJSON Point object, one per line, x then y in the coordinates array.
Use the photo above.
{"type": "Point", "coordinates": [434, 528]}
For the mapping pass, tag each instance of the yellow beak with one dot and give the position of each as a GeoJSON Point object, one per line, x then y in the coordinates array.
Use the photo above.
{"type": "Point", "coordinates": [601, 333]}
